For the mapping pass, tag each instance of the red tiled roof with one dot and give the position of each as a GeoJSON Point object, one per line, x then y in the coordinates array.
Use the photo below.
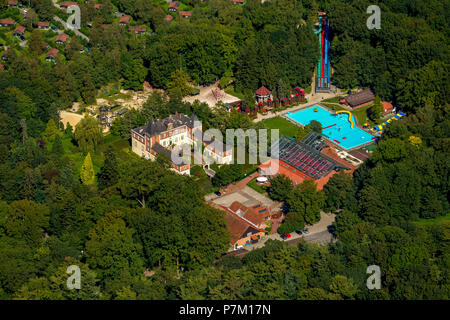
{"type": "Point", "coordinates": [124, 19]}
{"type": "Point", "coordinates": [62, 37]}
{"type": "Point", "coordinates": [68, 4]}
{"type": "Point", "coordinates": [43, 24]}
{"type": "Point", "coordinates": [186, 13]}
{"type": "Point", "coordinates": [168, 18]}
{"type": "Point", "coordinates": [388, 107]}
{"type": "Point", "coordinates": [7, 21]}
{"type": "Point", "coordinates": [235, 206]}
{"type": "Point", "coordinates": [12, 3]}
{"type": "Point", "coordinates": [52, 52]}
{"type": "Point", "coordinates": [256, 214]}
{"type": "Point", "coordinates": [174, 4]}
{"type": "Point", "coordinates": [137, 29]}
{"type": "Point", "coordinates": [238, 226]}
{"type": "Point", "coordinates": [263, 91]}
{"type": "Point", "coordinates": [97, 6]}
{"type": "Point", "coordinates": [19, 29]}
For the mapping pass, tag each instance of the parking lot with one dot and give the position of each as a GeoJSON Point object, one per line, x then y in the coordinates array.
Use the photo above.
{"type": "Point", "coordinates": [248, 197]}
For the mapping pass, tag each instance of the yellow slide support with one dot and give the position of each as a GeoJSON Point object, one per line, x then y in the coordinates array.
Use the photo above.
{"type": "Point", "coordinates": [349, 116]}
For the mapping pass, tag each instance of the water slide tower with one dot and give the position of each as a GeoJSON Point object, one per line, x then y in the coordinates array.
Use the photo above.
{"type": "Point", "coordinates": [322, 30]}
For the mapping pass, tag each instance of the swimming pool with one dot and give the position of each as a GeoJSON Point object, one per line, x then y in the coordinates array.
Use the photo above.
{"type": "Point", "coordinates": [335, 127]}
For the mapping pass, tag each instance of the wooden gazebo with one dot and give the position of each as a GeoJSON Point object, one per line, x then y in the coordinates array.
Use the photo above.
{"type": "Point", "coordinates": [262, 95]}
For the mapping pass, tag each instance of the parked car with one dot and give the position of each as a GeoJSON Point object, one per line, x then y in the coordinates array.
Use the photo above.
{"type": "Point", "coordinates": [21, 37]}
{"type": "Point", "coordinates": [288, 235]}
{"type": "Point", "coordinates": [218, 193]}
{"type": "Point", "coordinates": [283, 236]}
{"type": "Point", "coordinates": [299, 232]}
{"type": "Point", "coordinates": [305, 231]}
{"type": "Point", "coordinates": [54, 28]}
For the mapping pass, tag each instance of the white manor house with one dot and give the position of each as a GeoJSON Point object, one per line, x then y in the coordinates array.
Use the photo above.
{"type": "Point", "coordinates": [161, 136]}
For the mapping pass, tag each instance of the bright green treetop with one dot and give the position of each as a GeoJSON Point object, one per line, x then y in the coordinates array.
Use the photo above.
{"type": "Point", "coordinates": [87, 173]}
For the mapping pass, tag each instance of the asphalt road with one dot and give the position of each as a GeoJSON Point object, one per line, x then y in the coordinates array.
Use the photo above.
{"type": "Point", "coordinates": [321, 237]}
{"type": "Point", "coordinates": [78, 33]}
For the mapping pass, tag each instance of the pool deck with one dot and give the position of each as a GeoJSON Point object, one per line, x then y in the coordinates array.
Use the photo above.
{"type": "Point", "coordinates": [285, 116]}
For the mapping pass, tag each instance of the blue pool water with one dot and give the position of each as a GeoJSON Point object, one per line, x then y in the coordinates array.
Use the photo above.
{"type": "Point", "coordinates": [339, 128]}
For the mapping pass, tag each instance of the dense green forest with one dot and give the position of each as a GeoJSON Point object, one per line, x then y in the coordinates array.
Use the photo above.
{"type": "Point", "coordinates": [138, 215]}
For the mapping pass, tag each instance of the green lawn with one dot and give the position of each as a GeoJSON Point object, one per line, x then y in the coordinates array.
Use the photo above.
{"type": "Point", "coordinates": [199, 175]}
{"type": "Point", "coordinates": [255, 186]}
{"type": "Point", "coordinates": [120, 146]}
{"type": "Point", "coordinates": [361, 115]}
{"type": "Point", "coordinates": [332, 100]}
{"type": "Point", "coordinates": [427, 222]}
{"type": "Point", "coordinates": [230, 90]}
{"type": "Point", "coordinates": [286, 127]}
{"type": "Point", "coordinates": [333, 106]}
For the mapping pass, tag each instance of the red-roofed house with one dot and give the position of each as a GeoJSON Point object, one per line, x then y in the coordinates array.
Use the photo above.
{"type": "Point", "coordinates": [168, 18]}
{"type": "Point", "coordinates": [62, 38]}
{"type": "Point", "coordinates": [238, 1]}
{"type": "Point", "coordinates": [12, 3]}
{"type": "Point", "coordinates": [137, 30]}
{"type": "Point", "coordinates": [7, 22]}
{"type": "Point", "coordinates": [43, 25]}
{"type": "Point", "coordinates": [242, 231]}
{"type": "Point", "coordinates": [97, 6]}
{"type": "Point", "coordinates": [256, 214]}
{"type": "Point", "coordinates": [20, 30]}
{"type": "Point", "coordinates": [66, 4]}
{"type": "Point", "coordinates": [51, 55]}
{"type": "Point", "coordinates": [387, 107]}
{"type": "Point", "coordinates": [186, 14]}
{"type": "Point", "coordinates": [124, 20]}
{"type": "Point", "coordinates": [173, 6]}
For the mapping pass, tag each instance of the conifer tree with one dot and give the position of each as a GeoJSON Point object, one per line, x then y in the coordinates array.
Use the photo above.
{"type": "Point", "coordinates": [87, 173]}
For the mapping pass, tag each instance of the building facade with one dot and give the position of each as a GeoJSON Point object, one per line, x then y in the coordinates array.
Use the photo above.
{"type": "Point", "coordinates": [162, 136]}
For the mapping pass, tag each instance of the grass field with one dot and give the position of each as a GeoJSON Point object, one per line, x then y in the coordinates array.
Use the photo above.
{"type": "Point", "coordinates": [333, 106]}
{"type": "Point", "coordinates": [230, 90]}
{"type": "Point", "coordinates": [286, 127]}
{"type": "Point", "coordinates": [255, 186]}
{"type": "Point", "coordinates": [427, 222]}
{"type": "Point", "coordinates": [361, 115]}
{"type": "Point", "coordinates": [332, 100]}
{"type": "Point", "coordinates": [120, 146]}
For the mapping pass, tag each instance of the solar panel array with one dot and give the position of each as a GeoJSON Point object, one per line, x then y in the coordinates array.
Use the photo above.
{"type": "Point", "coordinates": [304, 157]}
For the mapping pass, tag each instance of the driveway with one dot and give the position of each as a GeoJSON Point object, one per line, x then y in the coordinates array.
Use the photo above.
{"type": "Point", "coordinates": [318, 233]}
{"type": "Point", "coordinates": [78, 33]}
